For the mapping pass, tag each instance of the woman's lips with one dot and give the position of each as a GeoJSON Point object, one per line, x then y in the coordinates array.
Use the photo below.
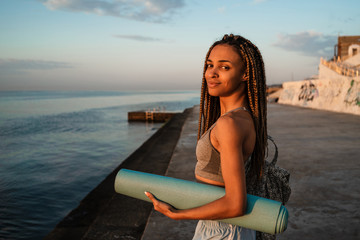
{"type": "Point", "coordinates": [212, 84]}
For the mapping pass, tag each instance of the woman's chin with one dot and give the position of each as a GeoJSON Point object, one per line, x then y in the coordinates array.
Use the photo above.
{"type": "Point", "coordinates": [213, 93]}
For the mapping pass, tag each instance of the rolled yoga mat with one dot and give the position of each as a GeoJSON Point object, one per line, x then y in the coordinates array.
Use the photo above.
{"type": "Point", "coordinates": [262, 214]}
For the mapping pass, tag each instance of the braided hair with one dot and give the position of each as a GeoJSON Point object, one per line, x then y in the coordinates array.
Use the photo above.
{"type": "Point", "coordinates": [256, 95]}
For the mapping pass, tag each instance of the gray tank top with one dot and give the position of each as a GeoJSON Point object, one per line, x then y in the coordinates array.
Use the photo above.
{"type": "Point", "coordinates": [208, 158]}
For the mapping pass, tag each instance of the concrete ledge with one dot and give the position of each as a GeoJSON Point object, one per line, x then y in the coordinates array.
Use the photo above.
{"type": "Point", "coordinates": [104, 214]}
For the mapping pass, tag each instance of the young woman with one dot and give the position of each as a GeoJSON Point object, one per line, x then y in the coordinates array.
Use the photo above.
{"type": "Point", "coordinates": [232, 134]}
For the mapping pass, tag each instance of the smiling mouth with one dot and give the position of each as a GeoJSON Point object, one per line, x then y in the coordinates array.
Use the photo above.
{"type": "Point", "coordinates": [212, 84]}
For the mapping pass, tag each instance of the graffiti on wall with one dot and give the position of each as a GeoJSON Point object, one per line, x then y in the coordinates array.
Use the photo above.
{"type": "Point", "coordinates": [308, 92]}
{"type": "Point", "coordinates": [287, 94]}
{"type": "Point", "coordinates": [352, 96]}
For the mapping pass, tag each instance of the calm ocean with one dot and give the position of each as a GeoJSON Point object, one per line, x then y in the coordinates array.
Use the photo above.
{"type": "Point", "coordinates": [55, 147]}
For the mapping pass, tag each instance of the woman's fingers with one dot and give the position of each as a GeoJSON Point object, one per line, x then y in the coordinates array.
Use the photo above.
{"type": "Point", "coordinates": [149, 195]}
{"type": "Point", "coordinates": [157, 204]}
{"type": "Point", "coordinates": [160, 206]}
{"type": "Point", "coordinates": [153, 199]}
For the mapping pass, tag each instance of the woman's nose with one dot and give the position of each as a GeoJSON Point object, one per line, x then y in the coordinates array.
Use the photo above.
{"type": "Point", "coordinates": [211, 73]}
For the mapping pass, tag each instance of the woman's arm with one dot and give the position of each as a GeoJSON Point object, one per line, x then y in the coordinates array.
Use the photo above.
{"type": "Point", "coordinates": [230, 138]}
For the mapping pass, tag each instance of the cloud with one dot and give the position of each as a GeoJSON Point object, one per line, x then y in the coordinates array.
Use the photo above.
{"type": "Point", "coordinates": [140, 10]}
{"type": "Point", "coordinates": [221, 10]}
{"type": "Point", "coordinates": [346, 19]}
{"type": "Point", "coordinates": [258, 1]}
{"type": "Point", "coordinates": [308, 43]}
{"type": "Point", "coordinates": [30, 64]}
{"type": "Point", "coordinates": [139, 38]}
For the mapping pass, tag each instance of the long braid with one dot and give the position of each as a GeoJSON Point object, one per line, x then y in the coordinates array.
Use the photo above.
{"type": "Point", "coordinates": [256, 91]}
{"type": "Point", "coordinates": [201, 115]}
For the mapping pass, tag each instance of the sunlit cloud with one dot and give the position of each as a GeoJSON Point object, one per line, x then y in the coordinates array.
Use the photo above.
{"type": "Point", "coordinates": [140, 10]}
{"type": "Point", "coordinates": [31, 64]}
{"type": "Point", "coordinates": [139, 38]}
{"type": "Point", "coordinates": [308, 43]}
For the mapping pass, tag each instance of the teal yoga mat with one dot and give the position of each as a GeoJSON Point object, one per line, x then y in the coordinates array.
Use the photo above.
{"type": "Point", "coordinates": [262, 214]}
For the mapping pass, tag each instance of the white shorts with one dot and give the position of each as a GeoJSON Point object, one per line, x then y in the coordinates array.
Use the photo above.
{"type": "Point", "coordinates": [215, 230]}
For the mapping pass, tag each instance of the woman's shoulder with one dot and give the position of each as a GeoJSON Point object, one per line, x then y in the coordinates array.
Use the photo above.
{"type": "Point", "coordinates": [236, 123]}
{"type": "Point", "coordinates": [236, 120]}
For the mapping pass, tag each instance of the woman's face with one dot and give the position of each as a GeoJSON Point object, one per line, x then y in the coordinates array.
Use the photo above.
{"type": "Point", "coordinates": [225, 71]}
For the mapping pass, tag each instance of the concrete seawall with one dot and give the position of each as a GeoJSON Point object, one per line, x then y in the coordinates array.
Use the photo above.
{"type": "Point", "coordinates": [104, 214]}
{"type": "Point", "coordinates": [339, 95]}
{"type": "Point", "coordinates": [319, 148]}
{"type": "Point", "coordinates": [331, 91]}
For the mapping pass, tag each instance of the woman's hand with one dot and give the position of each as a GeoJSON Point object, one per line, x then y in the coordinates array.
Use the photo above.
{"type": "Point", "coordinates": [161, 206]}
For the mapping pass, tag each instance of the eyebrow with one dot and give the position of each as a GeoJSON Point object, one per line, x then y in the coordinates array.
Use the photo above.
{"type": "Point", "coordinates": [209, 60]}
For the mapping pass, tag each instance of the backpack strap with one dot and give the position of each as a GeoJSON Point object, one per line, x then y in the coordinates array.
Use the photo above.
{"type": "Point", "coordinates": [273, 162]}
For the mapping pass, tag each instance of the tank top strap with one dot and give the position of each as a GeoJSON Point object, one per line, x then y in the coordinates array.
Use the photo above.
{"type": "Point", "coordinates": [239, 108]}
{"type": "Point", "coordinates": [212, 126]}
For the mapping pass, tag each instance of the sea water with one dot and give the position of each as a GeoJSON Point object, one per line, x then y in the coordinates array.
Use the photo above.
{"type": "Point", "coordinates": [55, 147]}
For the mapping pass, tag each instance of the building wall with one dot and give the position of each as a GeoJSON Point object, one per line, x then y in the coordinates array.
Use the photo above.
{"type": "Point", "coordinates": [355, 60]}
{"type": "Point", "coordinates": [331, 91]}
{"type": "Point", "coordinates": [343, 44]}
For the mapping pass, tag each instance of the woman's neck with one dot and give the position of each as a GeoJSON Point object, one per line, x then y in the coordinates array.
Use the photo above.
{"type": "Point", "coordinates": [235, 101]}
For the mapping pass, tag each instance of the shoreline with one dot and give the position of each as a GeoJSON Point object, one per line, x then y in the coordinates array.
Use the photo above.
{"type": "Point", "coordinates": [96, 210]}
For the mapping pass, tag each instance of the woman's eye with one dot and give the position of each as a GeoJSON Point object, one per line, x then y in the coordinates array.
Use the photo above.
{"type": "Point", "coordinates": [209, 66]}
{"type": "Point", "coordinates": [225, 67]}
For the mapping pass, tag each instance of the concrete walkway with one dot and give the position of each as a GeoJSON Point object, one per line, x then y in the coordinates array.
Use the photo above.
{"type": "Point", "coordinates": [182, 165]}
{"type": "Point", "coordinates": [319, 148]}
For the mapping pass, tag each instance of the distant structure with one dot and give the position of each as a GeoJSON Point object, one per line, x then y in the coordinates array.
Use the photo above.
{"type": "Point", "coordinates": [150, 116]}
{"type": "Point", "coordinates": [337, 86]}
{"type": "Point", "coordinates": [346, 47]}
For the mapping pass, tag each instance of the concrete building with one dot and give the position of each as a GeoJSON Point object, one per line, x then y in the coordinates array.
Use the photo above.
{"type": "Point", "coordinates": [347, 47]}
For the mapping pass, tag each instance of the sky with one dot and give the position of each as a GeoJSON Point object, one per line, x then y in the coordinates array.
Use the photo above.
{"type": "Point", "coordinates": [160, 44]}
